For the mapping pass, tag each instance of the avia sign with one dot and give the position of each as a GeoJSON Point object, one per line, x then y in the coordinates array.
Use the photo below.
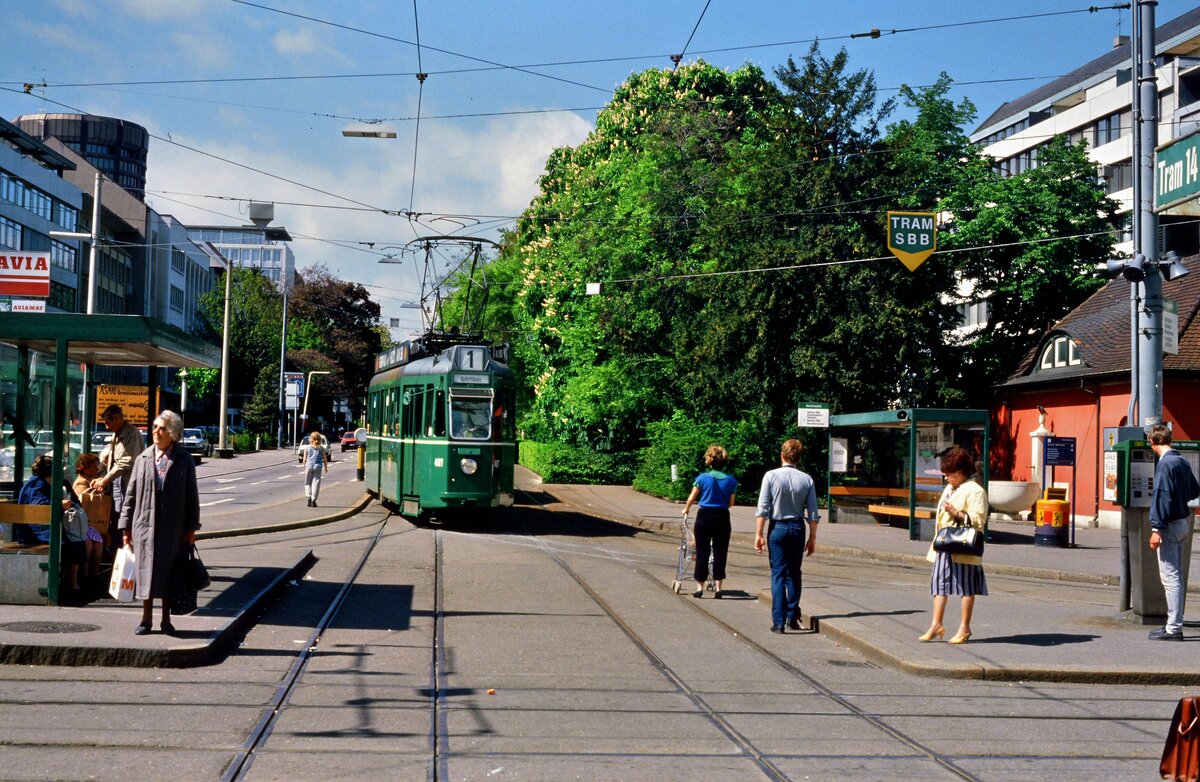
{"type": "Point", "coordinates": [24, 274]}
{"type": "Point", "coordinates": [912, 236]}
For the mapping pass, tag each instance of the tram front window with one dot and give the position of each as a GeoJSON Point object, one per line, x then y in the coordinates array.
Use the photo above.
{"type": "Point", "coordinates": [470, 418]}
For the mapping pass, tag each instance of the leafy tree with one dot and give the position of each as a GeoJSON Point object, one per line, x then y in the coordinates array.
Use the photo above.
{"type": "Point", "coordinates": [334, 326]}
{"type": "Point", "coordinates": [1030, 245]}
{"type": "Point", "coordinates": [255, 324]}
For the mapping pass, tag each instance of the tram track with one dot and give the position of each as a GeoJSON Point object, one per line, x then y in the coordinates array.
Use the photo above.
{"type": "Point", "coordinates": [769, 769]}
{"type": "Point", "coordinates": [239, 767]}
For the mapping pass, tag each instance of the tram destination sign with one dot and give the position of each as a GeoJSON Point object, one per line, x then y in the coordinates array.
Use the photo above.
{"type": "Point", "coordinates": [912, 237]}
{"type": "Point", "coordinates": [1177, 172]}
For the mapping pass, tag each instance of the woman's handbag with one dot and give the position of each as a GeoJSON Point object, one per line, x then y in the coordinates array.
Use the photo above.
{"type": "Point", "coordinates": [1181, 754]}
{"type": "Point", "coordinates": [74, 524]}
{"type": "Point", "coordinates": [959, 539]}
{"type": "Point", "coordinates": [188, 576]}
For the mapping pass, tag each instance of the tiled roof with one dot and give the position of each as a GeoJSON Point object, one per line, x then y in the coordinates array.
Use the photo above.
{"type": "Point", "coordinates": [1101, 330]}
{"type": "Point", "coordinates": [1106, 64]}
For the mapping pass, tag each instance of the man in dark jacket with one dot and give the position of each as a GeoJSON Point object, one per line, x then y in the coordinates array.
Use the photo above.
{"type": "Point", "coordinates": [1170, 524]}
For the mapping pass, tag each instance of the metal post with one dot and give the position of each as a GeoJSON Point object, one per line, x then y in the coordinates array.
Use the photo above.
{"type": "Point", "coordinates": [222, 442]}
{"type": "Point", "coordinates": [282, 355]}
{"type": "Point", "coordinates": [1149, 326]}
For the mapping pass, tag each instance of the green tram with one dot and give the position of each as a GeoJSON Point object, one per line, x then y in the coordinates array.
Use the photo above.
{"type": "Point", "coordinates": [441, 435]}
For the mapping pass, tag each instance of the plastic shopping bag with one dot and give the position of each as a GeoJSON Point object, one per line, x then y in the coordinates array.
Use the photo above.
{"type": "Point", "coordinates": [124, 576]}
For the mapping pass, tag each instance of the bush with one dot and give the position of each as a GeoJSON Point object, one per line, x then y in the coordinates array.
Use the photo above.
{"type": "Point", "coordinates": [244, 442]}
{"type": "Point", "coordinates": [561, 463]}
{"type": "Point", "coordinates": [682, 441]}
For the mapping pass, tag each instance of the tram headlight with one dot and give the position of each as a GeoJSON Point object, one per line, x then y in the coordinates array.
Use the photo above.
{"type": "Point", "coordinates": [469, 467]}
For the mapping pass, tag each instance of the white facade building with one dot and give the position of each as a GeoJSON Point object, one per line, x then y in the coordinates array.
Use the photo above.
{"type": "Point", "coordinates": [1093, 103]}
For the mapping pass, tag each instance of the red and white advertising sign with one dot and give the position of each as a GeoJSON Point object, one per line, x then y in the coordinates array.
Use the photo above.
{"type": "Point", "coordinates": [24, 274]}
{"type": "Point", "coordinates": [29, 305]}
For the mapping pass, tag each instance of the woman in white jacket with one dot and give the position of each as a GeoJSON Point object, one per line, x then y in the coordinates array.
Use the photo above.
{"type": "Point", "coordinates": [964, 502]}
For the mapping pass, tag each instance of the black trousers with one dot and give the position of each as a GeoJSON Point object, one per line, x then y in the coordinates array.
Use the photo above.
{"type": "Point", "coordinates": [712, 532]}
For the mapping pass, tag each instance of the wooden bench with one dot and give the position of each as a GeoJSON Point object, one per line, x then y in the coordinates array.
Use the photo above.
{"type": "Point", "coordinates": [900, 510]}
{"type": "Point", "coordinates": [881, 491]}
{"type": "Point", "coordinates": [23, 570]}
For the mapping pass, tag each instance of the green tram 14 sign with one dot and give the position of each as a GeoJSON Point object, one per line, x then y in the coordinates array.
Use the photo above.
{"type": "Point", "coordinates": [912, 236]}
{"type": "Point", "coordinates": [1177, 172]}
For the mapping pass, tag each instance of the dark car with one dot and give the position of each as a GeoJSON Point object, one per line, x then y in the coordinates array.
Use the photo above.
{"type": "Point", "coordinates": [349, 442]}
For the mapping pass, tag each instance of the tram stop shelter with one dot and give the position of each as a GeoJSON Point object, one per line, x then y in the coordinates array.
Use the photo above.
{"type": "Point", "coordinates": [45, 361]}
{"type": "Point", "coordinates": [884, 466]}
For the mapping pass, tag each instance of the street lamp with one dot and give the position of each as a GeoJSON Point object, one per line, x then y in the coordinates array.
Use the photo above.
{"type": "Point", "coordinates": [307, 395]}
{"type": "Point", "coordinates": [93, 239]}
{"type": "Point", "coordinates": [374, 129]}
{"type": "Point", "coordinates": [222, 445]}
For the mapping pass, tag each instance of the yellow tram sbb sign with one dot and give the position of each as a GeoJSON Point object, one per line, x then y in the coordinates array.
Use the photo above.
{"type": "Point", "coordinates": [912, 236]}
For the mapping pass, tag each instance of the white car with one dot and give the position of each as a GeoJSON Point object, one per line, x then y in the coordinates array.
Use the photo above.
{"type": "Point", "coordinates": [302, 449]}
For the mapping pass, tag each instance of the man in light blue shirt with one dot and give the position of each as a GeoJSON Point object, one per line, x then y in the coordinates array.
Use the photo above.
{"type": "Point", "coordinates": [788, 500]}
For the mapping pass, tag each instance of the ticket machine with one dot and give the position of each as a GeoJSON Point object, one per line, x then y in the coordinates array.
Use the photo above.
{"type": "Point", "coordinates": [1128, 482]}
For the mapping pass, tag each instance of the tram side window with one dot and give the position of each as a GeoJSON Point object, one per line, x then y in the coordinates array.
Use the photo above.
{"type": "Point", "coordinates": [439, 413]}
{"type": "Point", "coordinates": [431, 413]}
{"type": "Point", "coordinates": [504, 428]}
{"type": "Point", "coordinates": [470, 417]}
{"type": "Point", "coordinates": [414, 411]}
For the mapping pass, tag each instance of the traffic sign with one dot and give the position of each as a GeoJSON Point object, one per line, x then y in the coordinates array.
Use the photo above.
{"type": "Point", "coordinates": [912, 236]}
{"type": "Point", "coordinates": [1177, 172]}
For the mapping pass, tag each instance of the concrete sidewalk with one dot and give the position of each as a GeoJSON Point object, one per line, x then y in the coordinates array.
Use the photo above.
{"type": "Point", "coordinates": [1057, 619]}
{"type": "Point", "coordinates": [244, 579]}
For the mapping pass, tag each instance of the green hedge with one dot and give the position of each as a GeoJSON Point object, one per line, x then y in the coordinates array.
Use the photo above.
{"type": "Point", "coordinates": [560, 463]}
{"type": "Point", "coordinates": [682, 441]}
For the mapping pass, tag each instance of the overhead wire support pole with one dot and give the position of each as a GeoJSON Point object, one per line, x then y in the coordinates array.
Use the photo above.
{"type": "Point", "coordinates": [1149, 326]}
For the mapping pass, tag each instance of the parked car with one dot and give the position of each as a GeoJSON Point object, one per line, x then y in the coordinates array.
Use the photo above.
{"type": "Point", "coordinates": [195, 443]}
{"type": "Point", "coordinates": [302, 448]}
{"type": "Point", "coordinates": [100, 440]}
{"type": "Point", "coordinates": [349, 441]}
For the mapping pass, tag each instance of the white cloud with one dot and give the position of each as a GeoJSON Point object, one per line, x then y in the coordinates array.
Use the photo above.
{"type": "Point", "coordinates": [160, 10]}
{"type": "Point", "coordinates": [491, 168]}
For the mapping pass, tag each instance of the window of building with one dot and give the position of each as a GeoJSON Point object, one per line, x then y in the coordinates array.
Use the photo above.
{"type": "Point", "coordinates": [1058, 353]}
{"type": "Point", "coordinates": [62, 255]}
{"type": "Point", "coordinates": [176, 298]}
{"type": "Point", "coordinates": [1106, 129]}
{"type": "Point", "coordinates": [61, 296]}
{"type": "Point", "coordinates": [178, 259]}
{"type": "Point", "coordinates": [65, 216]}
{"type": "Point", "coordinates": [10, 234]}
{"type": "Point", "coordinates": [1117, 177]}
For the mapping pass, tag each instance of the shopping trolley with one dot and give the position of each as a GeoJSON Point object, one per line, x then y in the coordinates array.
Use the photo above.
{"type": "Point", "coordinates": [687, 558]}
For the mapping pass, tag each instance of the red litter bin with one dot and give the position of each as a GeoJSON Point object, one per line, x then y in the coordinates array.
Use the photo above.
{"type": "Point", "coordinates": [1052, 523]}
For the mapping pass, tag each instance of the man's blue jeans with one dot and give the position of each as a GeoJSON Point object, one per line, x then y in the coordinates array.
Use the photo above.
{"type": "Point", "coordinates": [785, 547]}
{"type": "Point", "coordinates": [1170, 558]}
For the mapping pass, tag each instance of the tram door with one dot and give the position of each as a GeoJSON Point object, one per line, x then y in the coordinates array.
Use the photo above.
{"type": "Point", "coordinates": [412, 417]}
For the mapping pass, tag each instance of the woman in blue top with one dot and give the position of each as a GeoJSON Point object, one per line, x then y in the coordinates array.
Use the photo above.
{"type": "Point", "coordinates": [715, 491]}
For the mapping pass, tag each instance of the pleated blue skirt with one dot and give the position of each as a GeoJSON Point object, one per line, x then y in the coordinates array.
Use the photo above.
{"type": "Point", "coordinates": [951, 579]}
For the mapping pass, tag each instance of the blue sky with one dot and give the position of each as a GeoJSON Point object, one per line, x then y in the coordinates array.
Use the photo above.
{"type": "Point", "coordinates": [228, 87]}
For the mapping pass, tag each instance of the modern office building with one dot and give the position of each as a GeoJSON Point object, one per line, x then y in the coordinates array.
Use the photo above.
{"type": "Point", "coordinates": [178, 274]}
{"type": "Point", "coordinates": [35, 200]}
{"type": "Point", "coordinates": [117, 147]}
{"type": "Point", "coordinates": [253, 246]}
{"type": "Point", "coordinates": [1093, 104]}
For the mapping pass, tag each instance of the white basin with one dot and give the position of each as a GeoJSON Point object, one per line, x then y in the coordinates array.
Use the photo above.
{"type": "Point", "coordinates": [1012, 496]}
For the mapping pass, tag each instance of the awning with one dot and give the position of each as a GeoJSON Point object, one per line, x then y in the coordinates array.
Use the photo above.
{"type": "Point", "coordinates": [108, 340]}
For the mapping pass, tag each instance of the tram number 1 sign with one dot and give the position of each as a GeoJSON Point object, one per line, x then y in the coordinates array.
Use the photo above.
{"type": "Point", "coordinates": [912, 236]}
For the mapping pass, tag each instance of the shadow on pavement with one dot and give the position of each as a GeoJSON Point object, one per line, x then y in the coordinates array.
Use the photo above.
{"type": "Point", "coordinates": [1038, 639]}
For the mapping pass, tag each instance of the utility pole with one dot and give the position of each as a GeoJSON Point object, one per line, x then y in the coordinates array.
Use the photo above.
{"type": "Point", "coordinates": [1149, 337]}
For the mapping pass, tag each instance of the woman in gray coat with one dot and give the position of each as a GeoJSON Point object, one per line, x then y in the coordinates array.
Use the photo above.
{"type": "Point", "coordinates": [161, 515]}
